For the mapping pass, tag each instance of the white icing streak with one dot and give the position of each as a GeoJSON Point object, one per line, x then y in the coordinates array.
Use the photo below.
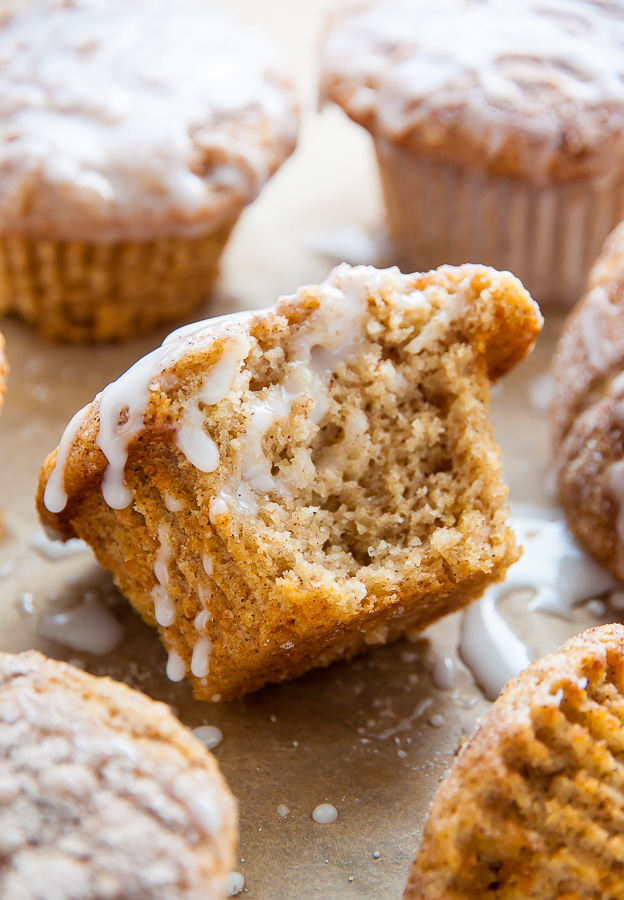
{"type": "Point", "coordinates": [122, 120]}
{"type": "Point", "coordinates": [55, 496]}
{"type": "Point", "coordinates": [176, 670]}
{"type": "Point", "coordinates": [122, 407]}
{"type": "Point", "coordinates": [329, 336]}
{"type": "Point", "coordinates": [192, 440]}
{"type": "Point", "coordinates": [200, 661]}
{"type": "Point", "coordinates": [561, 576]}
{"type": "Point", "coordinates": [406, 59]}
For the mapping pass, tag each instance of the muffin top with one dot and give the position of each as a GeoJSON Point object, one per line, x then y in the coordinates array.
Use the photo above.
{"type": "Point", "coordinates": [130, 121]}
{"type": "Point", "coordinates": [533, 88]}
{"type": "Point", "coordinates": [104, 793]}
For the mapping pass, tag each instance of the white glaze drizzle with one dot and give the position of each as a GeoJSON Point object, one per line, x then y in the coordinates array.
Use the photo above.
{"type": "Point", "coordinates": [330, 335]}
{"type": "Point", "coordinates": [107, 110]}
{"type": "Point", "coordinates": [173, 504]}
{"type": "Point", "coordinates": [198, 447]}
{"type": "Point", "coordinates": [200, 660]}
{"type": "Point", "coordinates": [404, 59]}
{"type": "Point", "coordinates": [55, 496]}
{"type": "Point", "coordinates": [561, 576]}
{"type": "Point", "coordinates": [163, 555]}
{"type": "Point", "coordinates": [123, 404]}
{"type": "Point", "coordinates": [54, 550]}
{"type": "Point", "coordinates": [209, 735]}
{"type": "Point", "coordinates": [164, 607]}
{"type": "Point", "coordinates": [176, 670]}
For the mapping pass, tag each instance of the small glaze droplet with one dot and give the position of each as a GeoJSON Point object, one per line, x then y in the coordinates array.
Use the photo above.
{"type": "Point", "coordinates": [234, 883]}
{"type": "Point", "coordinates": [209, 735]}
{"type": "Point", "coordinates": [443, 673]}
{"type": "Point", "coordinates": [282, 810]}
{"type": "Point", "coordinates": [325, 814]}
{"type": "Point", "coordinates": [176, 670]}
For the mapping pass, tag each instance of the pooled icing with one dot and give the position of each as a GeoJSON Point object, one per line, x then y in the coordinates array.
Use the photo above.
{"type": "Point", "coordinates": [531, 64]}
{"type": "Point", "coordinates": [126, 120]}
{"type": "Point", "coordinates": [560, 575]}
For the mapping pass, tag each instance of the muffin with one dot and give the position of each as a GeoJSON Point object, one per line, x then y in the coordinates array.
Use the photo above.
{"type": "Point", "coordinates": [587, 411]}
{"type": "Point", "coordinates": [4, 369]}
{"type": "Point", "coordinates": [131, 137]}
{"type": "Point", "coordinates": [533, 806]}
{"type": "Point", "coordinates": [498, 127]}
{"type": "Point", "coordinates": [283, 488]}
{"type": "Point", "coordinates": [104, 793]}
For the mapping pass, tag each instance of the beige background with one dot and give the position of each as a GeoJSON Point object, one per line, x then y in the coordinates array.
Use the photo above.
{"type": "Point", "coordinates": [356, 735]}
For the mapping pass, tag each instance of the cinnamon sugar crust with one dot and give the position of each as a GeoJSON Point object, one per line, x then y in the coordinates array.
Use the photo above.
{"type": "Point", "coordinates": [104, 793]}
{"type": "Point", "coordinates": [533, 805]}
{"type": "Point", "coordinates": [587, 422]}
{"type": "Point", "coordinates": [343, 486]}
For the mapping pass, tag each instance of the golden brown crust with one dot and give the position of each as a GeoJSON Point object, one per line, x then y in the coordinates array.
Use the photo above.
{"type": "Point", "coordinates": [156, 815]}
{"type": "Point", "coordinates": [533, 805]}
{"type": "Point", "coordinates": [587, 423]}
{"type": "Point", "coordinates": [399, 524]}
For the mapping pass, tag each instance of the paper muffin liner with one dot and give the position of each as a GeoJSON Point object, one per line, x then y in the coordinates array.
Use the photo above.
{"type": "Point", "coordinates": [547, 235]}
{"type": "Point", "coordinates": [83, 292]}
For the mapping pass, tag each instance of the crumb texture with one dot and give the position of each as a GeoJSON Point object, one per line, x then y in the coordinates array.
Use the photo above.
{"type": "Point", "coordinates": [534, 805]}
{"type": "Point", "coordinates": [587, 411]}
{"type": "Point", "coordinates": [103, 794]}
{"type": "Point", "coordinates": [345, 485]}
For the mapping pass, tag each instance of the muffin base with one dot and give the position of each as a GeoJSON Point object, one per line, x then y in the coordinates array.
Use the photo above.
{"type": "Point", "coordinates": [547, 235]}
{"type": "Point", "coordinates": [81, 292]}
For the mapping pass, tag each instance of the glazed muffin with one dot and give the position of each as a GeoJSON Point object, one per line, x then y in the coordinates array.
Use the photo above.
{"type": "Point", "coordinates": [498, 127]}
{"type": "Point", "coordinates": [284, 488]}
{"type": "Point", "coordinates": [533, 806]}
{"type": "Point", "coordinates": [587, 411]}
{"type": "Point", "coordinates": [104, 793]}
{"type": "Point", "coordinates": [132, 135]}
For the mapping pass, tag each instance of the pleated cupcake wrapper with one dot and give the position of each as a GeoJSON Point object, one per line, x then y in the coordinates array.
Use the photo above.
{"type": "Point", "coordinates": [547, 235]}
{"type": "Point", "coordinates": [83, 292]}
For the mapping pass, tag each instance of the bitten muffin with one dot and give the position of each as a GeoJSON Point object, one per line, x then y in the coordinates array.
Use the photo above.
{"type": "Point", "coordinates": [498, 127]}
{"type": "Point", "coordinates": [104, 793]}
{"type": "Point", "coordinates": [281, 489]}
{"type": "Point", "coordinates": [588, 411]}
{"type": "Point", "coordinates": [131, 137]}
{"type": "Point", "coordinates": [534, 805]}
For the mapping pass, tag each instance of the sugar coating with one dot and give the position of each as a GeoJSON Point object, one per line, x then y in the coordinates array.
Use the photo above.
{"type": "Point", "coordinates": [588, 411]}
{"type": "Point", "coordinates": [154, 816]}
{"type": "Point", "coordinates": [129, 121]}
{"type": "Point", "coordinates": [357, 490]}
{"type": "Point", "coordinates": [533, 805]}
{"type": "Point", "coordinates": [544, 78]}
